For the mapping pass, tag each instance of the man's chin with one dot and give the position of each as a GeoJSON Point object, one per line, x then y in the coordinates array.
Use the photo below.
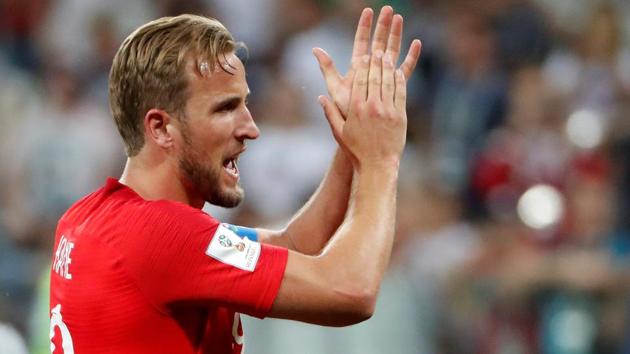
{"type": "Point", "coordinates": [227, 198]}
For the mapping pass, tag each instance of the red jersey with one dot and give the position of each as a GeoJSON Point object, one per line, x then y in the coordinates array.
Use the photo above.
{"type": "Point", "coordinates": [137, 276]}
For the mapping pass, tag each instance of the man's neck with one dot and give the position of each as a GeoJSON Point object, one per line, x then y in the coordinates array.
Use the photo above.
{"type": "Point", "coordinates": [157, 180]}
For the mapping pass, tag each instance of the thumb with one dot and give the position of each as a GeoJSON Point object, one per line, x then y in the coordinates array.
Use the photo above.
{"type": "Point", "coordinates": [334, 117]}
{"type": "Point", "coordinates": [327, 67]}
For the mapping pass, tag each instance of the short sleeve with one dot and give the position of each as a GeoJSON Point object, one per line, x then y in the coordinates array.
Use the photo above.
{"type": "Point", "coordinates": [178, 254]}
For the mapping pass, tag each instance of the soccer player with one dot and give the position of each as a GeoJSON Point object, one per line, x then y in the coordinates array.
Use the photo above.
{"type": "Point", "coordinates": [139, 268]}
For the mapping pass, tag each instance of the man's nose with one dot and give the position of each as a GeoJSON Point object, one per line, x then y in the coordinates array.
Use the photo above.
{"type": "Point", "coordinates": [247, 127]}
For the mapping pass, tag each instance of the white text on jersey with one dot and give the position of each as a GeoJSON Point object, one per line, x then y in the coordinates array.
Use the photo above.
{"type": "Point", "coordinates": [62, 261]}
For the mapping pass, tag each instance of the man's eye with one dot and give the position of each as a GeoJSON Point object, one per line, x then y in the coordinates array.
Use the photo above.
{"type": "Point", "coordinates": [227, 107]}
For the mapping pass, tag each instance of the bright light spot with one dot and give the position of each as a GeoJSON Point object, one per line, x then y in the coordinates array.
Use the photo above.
{"type": "Point", "coordinates": [585, 129]}
{"type": "Point", "coordinates": [573, 329]}
{"type": "Point", "coordinates": [540, 207]}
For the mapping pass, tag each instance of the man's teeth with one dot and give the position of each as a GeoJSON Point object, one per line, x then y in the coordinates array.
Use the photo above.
{"type": "Point", "coordinates": [231, 166]}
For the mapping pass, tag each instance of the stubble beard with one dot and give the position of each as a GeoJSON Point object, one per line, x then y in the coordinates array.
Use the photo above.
{"type": "Point", "coordinates": [206, 179]}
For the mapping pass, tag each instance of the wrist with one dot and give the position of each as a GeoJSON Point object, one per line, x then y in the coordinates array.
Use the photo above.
{"type": "Point", "coordinates": [388, 165]}
{"type": "Point", "coordinates": [378, 174]}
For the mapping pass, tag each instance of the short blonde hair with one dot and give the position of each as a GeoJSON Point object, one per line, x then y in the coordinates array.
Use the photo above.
{"type": "Point", "coordinates": [148, 69]}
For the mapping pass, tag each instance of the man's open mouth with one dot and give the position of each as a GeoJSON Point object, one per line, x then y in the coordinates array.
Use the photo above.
{"type": "Point", "coordinates": [231, 167]}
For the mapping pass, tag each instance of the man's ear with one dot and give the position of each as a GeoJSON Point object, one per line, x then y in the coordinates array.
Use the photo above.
{"type": "Point", "coordinates": [156, 127]}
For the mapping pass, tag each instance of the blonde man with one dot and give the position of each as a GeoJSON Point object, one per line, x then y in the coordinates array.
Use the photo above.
{"type": "Point", "coordinates": [139, 268]}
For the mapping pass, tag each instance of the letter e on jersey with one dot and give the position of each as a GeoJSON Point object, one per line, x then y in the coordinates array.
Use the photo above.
{"type": "Point", "coordinates": [61, 264]}
{"type": "Point", "coordinates": [227, 247]}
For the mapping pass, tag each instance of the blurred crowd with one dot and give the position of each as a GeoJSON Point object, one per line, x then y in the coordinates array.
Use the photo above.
{"type": "Point", "coordinates": [513, 228]}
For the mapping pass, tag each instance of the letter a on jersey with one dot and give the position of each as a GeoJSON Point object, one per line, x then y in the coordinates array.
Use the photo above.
{"type": "Point", "coordinates": [227, 247]}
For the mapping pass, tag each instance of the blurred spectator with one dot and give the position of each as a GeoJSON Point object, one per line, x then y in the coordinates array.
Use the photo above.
{"type": "Point", "coordinates": [175, 7]}
{"type": "Point", "coordinates": [103, 34]}
{"type": "Point", "coordinates": [19, 269]}
{"type": "Point", "coordinates": [482, 301]}
{"type": "Point", "coordinates": [19, 22]}
{"type": "Point", "coordinates": [596, 76]}
{"type": "Point", "coordinates": [471, 96]}
{"type": "Point", "coordinates": [622, 168]}
{"type": "Point", "coordinates": [566, 277]}
{"type": "Point", "coordinates": [587, 283]}
{"type": "Point", "coordinates": [65, 35]}
{"type": "Point", "coordinates": [63, 139]}
{"type": "Point", "coordinates": [524, 38]}
{"type": "Point", "coordinates": [262, 30]}
{"type": "Point", "coordinates": [428, 23]}
{"type": "Point", "coordinates": [530, 149]}
{"type": "Point", "coordinates": [439, 245]}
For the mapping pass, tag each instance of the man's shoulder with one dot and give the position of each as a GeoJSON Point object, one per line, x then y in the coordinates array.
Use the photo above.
{"type": "Point", "coordinates": [173, 212]}
{"type": "Point", "coordinates": [116, 198]}
{"type": "Point", "coordinates": [83, 206]}
{"type": "Point", "coordinates": [117, 209]}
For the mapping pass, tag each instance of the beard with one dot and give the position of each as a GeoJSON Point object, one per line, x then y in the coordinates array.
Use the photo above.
{"type": "Point", "coordinates": [206, 179]}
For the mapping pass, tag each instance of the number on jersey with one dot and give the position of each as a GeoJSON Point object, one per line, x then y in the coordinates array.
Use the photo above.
{"type": "Point", "coordinates": [56, 321]}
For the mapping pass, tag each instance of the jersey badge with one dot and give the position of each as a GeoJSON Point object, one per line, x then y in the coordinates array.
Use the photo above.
{"type": "Point", "coordinates": [227, 247]}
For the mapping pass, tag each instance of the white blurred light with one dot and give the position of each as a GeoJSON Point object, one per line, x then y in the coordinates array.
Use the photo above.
{"type": "Point", "coordinates": [573, 329]}
{"type": "Point", "coordinates": [585, 128]}
{"type": "Point", "coordinates": [540, 207]}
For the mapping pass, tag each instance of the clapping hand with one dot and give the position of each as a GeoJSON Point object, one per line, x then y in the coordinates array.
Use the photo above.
{"type": "Point", "coordinates": [387, 38]}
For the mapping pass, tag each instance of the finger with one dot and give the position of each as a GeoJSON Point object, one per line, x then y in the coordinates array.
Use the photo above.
{"type": "Point", "coordinates": [412, 58]}
{"type": "Point", "coordinates": [400, 99]}
{"type": "Point", "coordinates": [381, 33]}
{"type": "Point", "coordinates": [375, 76]}
{"type": "Point", "coordinates": [389, 85]}
{"type": "Point", "coordinates": [395, 37]}
{"type": "Point", "coordinates": [362, 36]}
{"type": "Point", "coordinates": [334, 117]}
{"type": "Point", "coordinates": [327, 66]}
{"type": "Point", "coordinates": [360, 83]}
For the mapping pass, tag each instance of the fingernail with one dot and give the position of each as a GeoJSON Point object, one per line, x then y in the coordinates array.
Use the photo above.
{"type": "Point", "coordinates": [388, 58]}
{"type": "Point", "coordinates": [366, 58]}
{"type": "Point", "coordinates": [321, 100]}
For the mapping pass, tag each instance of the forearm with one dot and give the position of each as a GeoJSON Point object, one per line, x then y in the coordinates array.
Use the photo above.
{"type": "Point", "coordinates": [360, 250]}
{"type": "Point", "coordinates": [313, 225]}
{"type": "Point", "coordinates": [339, 286]}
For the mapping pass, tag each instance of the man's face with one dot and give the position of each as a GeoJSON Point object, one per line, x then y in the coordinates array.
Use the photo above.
{"type": "Point", "coordinates": [214, 130]}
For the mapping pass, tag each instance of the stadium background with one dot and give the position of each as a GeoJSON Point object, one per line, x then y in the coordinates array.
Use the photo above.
{"type": "Point", "coordinates": [512, 233]}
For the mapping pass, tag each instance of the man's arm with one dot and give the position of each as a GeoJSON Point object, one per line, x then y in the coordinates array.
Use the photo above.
{"type": "Point", "coordinates": [311, 228]}
{"type": "Point", "coordinates": [339, 286]}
